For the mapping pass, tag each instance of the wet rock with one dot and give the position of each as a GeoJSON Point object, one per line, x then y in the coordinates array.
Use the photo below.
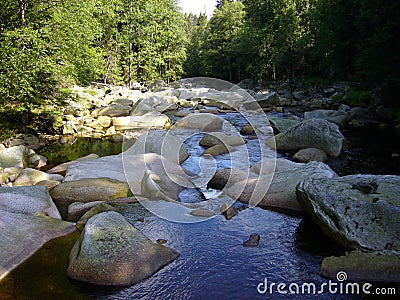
{"type": "Point", "coordinates": [229, 211]}
{"type": "Point", "coordinates": [88, 190]}
{"type": "Point", "coordinates": [281, 124]}
{"type": "Point", "coordinates": [202, 122]}
{"type": "Point", "coordinates": [31, 177]}
{"type": "Point", "coordinates": [21, 235]}
{"type": "Point", "coordinates": [218, 138]}
{"type": "Point", "coordinates": [110, 251]}
{"type": "Point", "coordinates": [217, 150]}
{"type": "Point", "coordinates": [310, 154]}
{"type": "Point", "coordinates": [247, 130]}
{"type": "Point", "coordinates": [375, 266]}
{"type": "Point", "coordinates": [228, 177]}
{"type": "Point", "coordinates": [253, 241]}
{"type": "Point", "coordinates": [102, 207]}
{"type": "Point", "coordinates": [161, 241]}
{"type": "Point", "coordinates": [357, 211]}
{"type": "Point", "coordinates": [314, 133]}
{"type": "Point", "coordinates": [27, 200]}
{"type": "Point", "coordinates": [17, 156]}
{"type": "Point", "coordinates": [161, 142]}
{"type": "Point", "coordinates": [205, 213]}
{"type": "Point", "coordinates": [338, 117]}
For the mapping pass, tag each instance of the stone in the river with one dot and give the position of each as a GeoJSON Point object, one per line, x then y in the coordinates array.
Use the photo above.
{"type": "Point", "coordinates": [228, 177]}
{"type": "Point", "coordinates": [217, 150]}
{"type": "Point", "coordinates": [247, 130]}
{"type": "Point", "coordinates": [253, 241]}
{"type": "Point", "coordinates": [267, 99]}
{"type": "Point", "coordinates": [88, 190]}
{"type": "Point", "coordinates": [200, 212]}
{"type": "Point", "coordinates": [63, 167]}
{"type": "Point", "coordinates": [78, 209]}
{"type": "Point", "coordinates": [202, 122]}
{"type": "Point", "coordinates": [281, 124]}
{"type": "Point", "coordinates": [357, 211]}
{"type": "Point", "coordinates": [17, 156]}
{"type": "Point", "coordinates": [122, 101]}
{"type": "Point", "coordinates": [283, 179]}
{"type": "Point", "coordinates": [228, 210]}
{"type": "Point", "coordinates": [338, 117]}
{"type": "Point", "coordinates": [115, 110]}
{"type": "Point", "coordinates": [313, 133]}
{"type": "Point", "coordinates": [374, 266]}
{"type": "Point", "coordinates": [161, 142]}
{"type": "Point", "coordinates": [218, 138]}
{"type": "Point", "coordinates": [37, 161]}
{"type": "Point", "coordinates": [21, 235]}
{"type": "Point", "coordinates": [310, 154]}
{"type": "Point", "coordinates": [31, 177]}
{"type": "Point", "coordinates": [29, 200]}
{"type": "Point", "coordinates": [148, 120]}
{"type": "Point", "coordinates": [102, 207]}
{"type": "Point", "coordinates": [110, 251]}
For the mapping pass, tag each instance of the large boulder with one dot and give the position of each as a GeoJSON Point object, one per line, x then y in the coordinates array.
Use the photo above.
{"type": "Point", "coordinates": [338, 117]}
{"type": "Point", "coordinates": [280, 124]}
{"type": "Point", "coordinates": [30, 200]}
{"type": "Point", "coordinates": [22, 234]}
{"type": "Point", "coordinates": [110, 251]}
{"type": "Point", "coordinates": [31, 177]}
{"type": "Point", "coordinates": [375, 266]}
{"type": "Point", "coordinates": [314, 133]}
{"type": "Point", "coordinates": [148, 120]}
{"type": "Point", "coordinates": [161, 142]}
{"type": "Point", "coordinates": [201, 122]}
{"type": "Point", "coordinates": [88, 190]}
{"type": "Point", "coordinates": [357, 211]}
{"type": "Point", "coordinates": [17, 156]}
{"type": "Point", "coordinates": [218, 138]}
{"type": "Point", "coordinates": [267, 99]}
{"type": "Point", "coordinates": [115, 110]}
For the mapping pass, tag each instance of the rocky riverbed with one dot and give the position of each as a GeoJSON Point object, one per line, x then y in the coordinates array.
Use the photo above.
{"type": "Point", "coordinates": [212, 149]}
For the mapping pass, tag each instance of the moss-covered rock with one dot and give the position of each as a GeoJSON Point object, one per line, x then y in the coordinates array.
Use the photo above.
{"type": "Point", "coordinates": [110, 251]}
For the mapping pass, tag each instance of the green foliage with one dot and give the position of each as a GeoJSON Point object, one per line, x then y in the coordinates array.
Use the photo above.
{"type": "Point", "coordinates": [358, 97]}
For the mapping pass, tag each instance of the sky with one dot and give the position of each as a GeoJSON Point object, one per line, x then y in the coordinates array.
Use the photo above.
{"type": "Point", "coordinates": [198, 6]}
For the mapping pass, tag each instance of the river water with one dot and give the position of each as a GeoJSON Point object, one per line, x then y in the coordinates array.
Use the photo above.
{"type": "Point", "coordinates": [213, 263]}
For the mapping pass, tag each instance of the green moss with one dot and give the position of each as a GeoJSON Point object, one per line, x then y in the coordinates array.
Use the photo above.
{"type": "Point", "coordinates": [358, 97]}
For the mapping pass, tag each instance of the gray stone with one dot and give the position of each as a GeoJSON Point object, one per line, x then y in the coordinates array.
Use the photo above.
{"type": "Point", "coordinates": [267, 99]}
{"type": "Point", "coordinates": [161, 142]}
{"type": "Point", "coordinates": [110, 251]}
{"type": "Point", "coordinates": [149, 120]}
{"type": "Point", "coordinates": [357, 211]}
{"type": "Point", "coordinates": [31, 177]}
{"type": "Point", "coordinates": [375, 266]}
{"type": "Point", "coordinates": [229, 211]}
{"type": "Point", "coordinates": [253, 241]}
{"type": "Point", "coordinates": [202, 122]}
{"type": "Point", "coordinates": [217, 150]}
{"type": "Point", "coordinates": [281, 124]}
{"type": "Point", "coordinates": [77, 209]}
{"type": "Point", "coordinates": [218, 138]}
{"type": "Point", "coordinates": [115, 110]}
{"type": "Point", "coordinates": [22, 235]}
{"type": "Point", "coordinates": [124, 102]}
{"type": "Point", "coordinates": [99, 208]}
{"type": "Point", "coordinates": [37, 161]}
{"type": "Point", "coordinates": [17, 156]}
{"type": "Point", "coordinates": [310, 154]}
{"type": "Point", "coordinates": [63, 167]}
{"type": "Point", "coordinates": [338, 117]}
{"type": "Point", "coordinates": [247, 130]}
{"type": "Point", "coordinates": [314, 133]}
{"type": "Point", "coordinates": [88, 190]}
{"type": "Point", "coordinates": [299, 95]}
{"type": "Point", "coordinates": [30, 200]}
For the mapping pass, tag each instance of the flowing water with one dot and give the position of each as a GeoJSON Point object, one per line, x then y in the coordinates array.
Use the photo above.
{"type": "Point", "coordinates": [213, 263]}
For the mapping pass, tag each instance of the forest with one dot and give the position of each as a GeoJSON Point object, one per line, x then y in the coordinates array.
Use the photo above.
{"type": "Point", "coordinates": [48, 46]}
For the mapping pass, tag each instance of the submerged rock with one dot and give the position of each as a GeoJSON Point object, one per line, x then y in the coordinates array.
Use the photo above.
{"type": "Point", "coordinates": [21, 235]}
{"type": "Point", "coordinates": [29, 200]}
{"type": "Point", "coordinates": [253, 241]}
{"type": "Point", "coordinates": [312, 133]}
{"type": "Point", "coordinates": [376, 266]}
{"type": "Point", "coordinates": [110, 251]}
{"type": "Point", "coordinates": [357, 211]}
